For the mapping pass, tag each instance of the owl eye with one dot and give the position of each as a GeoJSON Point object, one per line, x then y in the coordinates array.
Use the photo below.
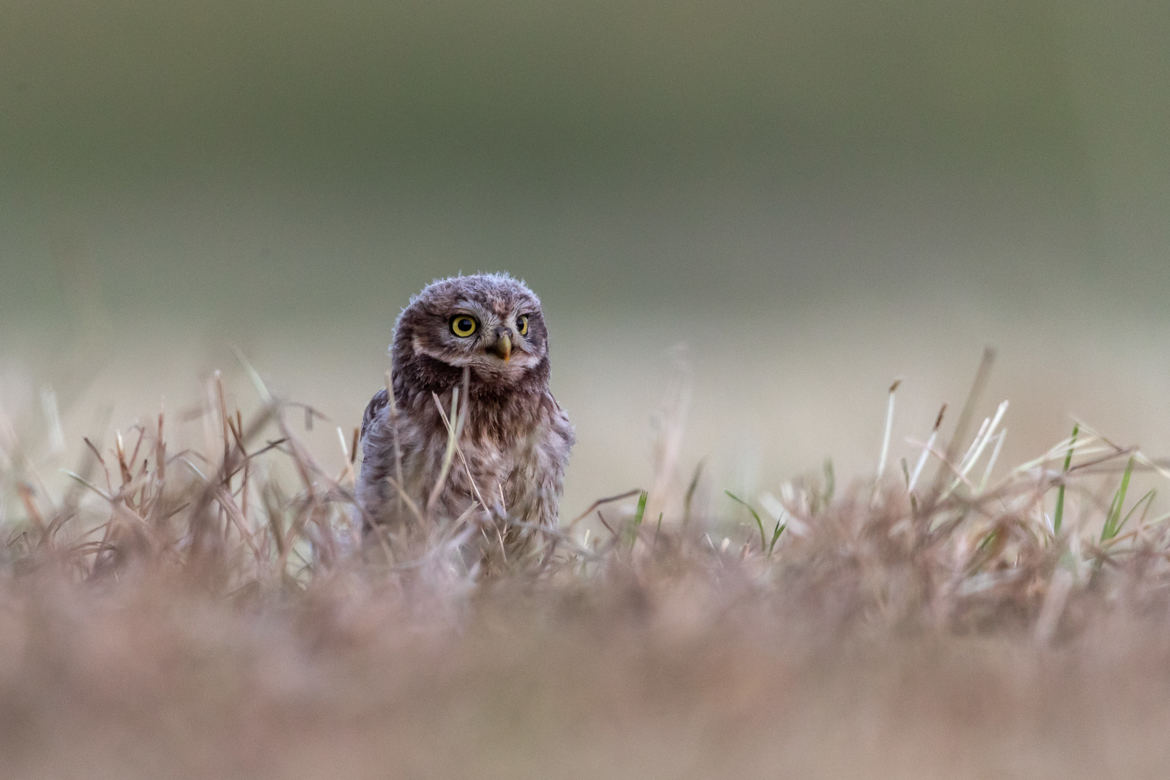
{"type": "Point", "coordinates": [522, 324]}
{"type": "Point", "coordinates": [463, 326]}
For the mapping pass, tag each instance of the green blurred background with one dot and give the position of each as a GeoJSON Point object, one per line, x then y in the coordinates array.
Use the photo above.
{"type": "Point", "coordinates": [794, 202]}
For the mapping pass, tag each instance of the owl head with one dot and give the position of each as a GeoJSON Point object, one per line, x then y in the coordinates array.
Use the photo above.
{"type": "Point", "coordinates": [491, 324]}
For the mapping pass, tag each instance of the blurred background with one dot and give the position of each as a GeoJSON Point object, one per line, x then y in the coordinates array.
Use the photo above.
{"type": "Point", "coordinates": [792, 204]}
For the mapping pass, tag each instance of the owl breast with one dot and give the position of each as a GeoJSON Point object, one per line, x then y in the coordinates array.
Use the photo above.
{"type": "Point", "coordinates": [508, 480]}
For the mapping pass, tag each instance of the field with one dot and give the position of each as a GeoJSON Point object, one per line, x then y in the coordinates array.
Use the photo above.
{"type": "Point", "coordinates": [202, 610]}
{"type": "Point", "coordinates": [745, 222]}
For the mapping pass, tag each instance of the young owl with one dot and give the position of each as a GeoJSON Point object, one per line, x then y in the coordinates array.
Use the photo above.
{"type": "Point", "coordinates": [487, 331]}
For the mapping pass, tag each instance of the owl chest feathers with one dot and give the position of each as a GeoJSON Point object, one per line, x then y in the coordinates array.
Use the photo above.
{"type": "Point", "coordinates": [513, 452]}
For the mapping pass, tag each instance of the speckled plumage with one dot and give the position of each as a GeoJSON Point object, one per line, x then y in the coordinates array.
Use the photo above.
{"type": "Point", "coordinates": [515, 440]}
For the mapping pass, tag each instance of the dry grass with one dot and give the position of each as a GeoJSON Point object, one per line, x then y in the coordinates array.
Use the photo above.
{"type": "Point", "coordinates": [199, 611]}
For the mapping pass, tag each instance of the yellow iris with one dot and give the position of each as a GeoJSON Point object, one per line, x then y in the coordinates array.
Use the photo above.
{"type": "Point", "coordinates": [463, 326]}
{"type": "Point", "coordinates": [522, 324]}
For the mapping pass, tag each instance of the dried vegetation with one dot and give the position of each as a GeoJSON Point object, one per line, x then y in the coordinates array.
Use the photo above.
{"type": "Point", "coordinates": [206, 611]}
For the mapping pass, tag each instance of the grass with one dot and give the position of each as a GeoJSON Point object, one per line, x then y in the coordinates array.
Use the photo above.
{"type": "Point", "coordinates": [194, 602]}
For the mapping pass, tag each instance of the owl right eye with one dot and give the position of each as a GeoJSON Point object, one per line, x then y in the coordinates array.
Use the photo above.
{"type": "Point", "coordinates": [463, 326]}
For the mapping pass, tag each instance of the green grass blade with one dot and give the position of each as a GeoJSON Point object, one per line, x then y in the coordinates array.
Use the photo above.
{"type": "Point", "coordinates": [776, 536]}
{"type": "Point", "coordinates": [636, 523]}
{"type": "Point", "coordinates": [756, 515]}
{"type": "Point", "coordinates": [1113, 521]}
{"type": "Point", "coordinates": [1146, 500]}
{"type": "Point", "coordinates": [1058, 515]}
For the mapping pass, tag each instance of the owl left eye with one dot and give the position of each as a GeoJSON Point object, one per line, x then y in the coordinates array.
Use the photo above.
{"type": "Point", "coordinates": [522, 324]}
{"type": "Point", "coordinates": [463, 326]}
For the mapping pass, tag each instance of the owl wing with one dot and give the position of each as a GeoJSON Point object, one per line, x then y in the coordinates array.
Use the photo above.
{"type": "Point", "coordinates": [379, 402]}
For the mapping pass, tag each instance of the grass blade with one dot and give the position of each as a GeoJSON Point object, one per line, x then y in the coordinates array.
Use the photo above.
{"type": "Point", "coordinates": [639, 515]}
{"type": "Point", "coordinates": [1113, 521]}
{"type": "Point", "coordinates": [776, 536]}
{"type": "Point", "coordinates": [755, 515]}
{"type": "Point", "coordinates": [1058, 515]}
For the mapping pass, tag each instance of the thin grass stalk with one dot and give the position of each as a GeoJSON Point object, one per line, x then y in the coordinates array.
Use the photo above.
{"type": "Point", "coordinates": [1058, 514]}
{"type": "Point", "coordinates": [888, 431]}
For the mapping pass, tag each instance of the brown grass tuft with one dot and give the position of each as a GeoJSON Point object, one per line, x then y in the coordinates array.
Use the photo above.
{"type": "Point", "coordinates": [187, 610]}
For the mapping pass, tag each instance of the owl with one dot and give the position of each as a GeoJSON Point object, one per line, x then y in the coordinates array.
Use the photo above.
{"type": "Point", "coordinates": [483, 340]}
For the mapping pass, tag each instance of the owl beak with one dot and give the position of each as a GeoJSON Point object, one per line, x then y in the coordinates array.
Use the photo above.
{"type": "Point", "coordinates": [502, 348]}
